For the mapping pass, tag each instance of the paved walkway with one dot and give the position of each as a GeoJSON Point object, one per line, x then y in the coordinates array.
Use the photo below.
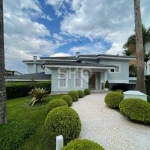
{"type": "Point", "coordinates": [108, 127]}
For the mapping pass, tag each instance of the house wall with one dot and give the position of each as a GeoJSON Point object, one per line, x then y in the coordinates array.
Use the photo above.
{"type": "Point", "coordinates": [70, 81]}
{"type": "Point", "coordinates": [118, 77]}
{"type": "Point", "coordinates": [30, 68]}
{"type": "Point", "coordinates": [147, 50]}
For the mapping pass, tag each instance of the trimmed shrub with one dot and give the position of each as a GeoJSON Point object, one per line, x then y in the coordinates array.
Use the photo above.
{"type": "Point", "coordinates": [21, 89]}
{"type": "Point", "coordinates": [74, 95]}
{"type": "Point", "coordinates": [119, 91]}
{"type": "Point", "coordinates": [107, 84]}
{"type": "Point", "coordinates": [81, 93]}
{"type": "Point", "coordinates": [14, 134]}
{"type": "Point", "coordinates": [87, 91]}
{"type": "Point", "coordinates": [82, 145]}
{"type": "Point", "coordinates": [112, 99]}
{"type": "Point", "coordinates": [136, 109]}
{"type": "Point", "coordinates": [55, 103]}
{"type": "Point", "coordinates": [63, 121]}
{"type": "Point", "coordinates": [67, 99]}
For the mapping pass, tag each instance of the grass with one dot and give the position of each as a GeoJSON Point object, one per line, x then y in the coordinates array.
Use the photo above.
{"type": "Point", "coordinates": [148, 98]}
{"type": "Point", "coordinates": [18, 109]}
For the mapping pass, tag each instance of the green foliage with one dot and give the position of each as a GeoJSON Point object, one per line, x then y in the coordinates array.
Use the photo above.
{"type": "Point", "coordinates": [87, 91]}
{"type": "Point", "coordinates": [63, 121]}
{"type": "Point", "coordinates": [44, 84]}
{"type": "Point", "coordinates": [136, 109]}
{"type": "Point", "coordinates": [107, 84]}
{"type": "Point", "coordinates": [55, 103]}
{"type": "Point", "coordinates": [74, 95]}
{"type": "Point", "coordinates": [84, 144]}
{"type": "Point", "coordinates": [81, 93]}
{"type": "Point", "coordinates": [14, 134]}
{"type": "Point", "coordinates": [112, 99]}
{"type": "Point", "coordinates": [120, 91]}
{"type": "Point", "coordinates": [21, 89]}
{"type": "Point", "coordinates": [147, 84]}
{"type": "Point", "coordinates": [67, 99]}
{"type": "Point", "coordinates": [15, 90]}
{"type": "Point", "coordinates": [38, 95]}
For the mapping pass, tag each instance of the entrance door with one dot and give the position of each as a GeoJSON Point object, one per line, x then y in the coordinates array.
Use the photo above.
{"type": "Point", "coordinates": [92, 82]}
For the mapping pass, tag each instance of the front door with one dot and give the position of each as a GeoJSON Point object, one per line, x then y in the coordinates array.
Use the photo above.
{"type": "Point", "coordinates": [92, 82]}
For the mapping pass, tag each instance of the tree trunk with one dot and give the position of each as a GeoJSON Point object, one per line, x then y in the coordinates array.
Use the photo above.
{"type": "Point", "coordinates": [140, 82]}
{"type": "Point", "coordinates": [3, 118]}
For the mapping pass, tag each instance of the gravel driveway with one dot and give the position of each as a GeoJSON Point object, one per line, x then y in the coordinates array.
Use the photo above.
{"type": "Point", "coordinates": [108, 127]}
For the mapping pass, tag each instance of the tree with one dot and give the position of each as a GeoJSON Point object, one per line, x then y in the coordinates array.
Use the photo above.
{"type": "Point", "coordinates": [3, 118]}
{"type": "Point", "coordinates": [128, 52]}
{"type": "Point", "coordinates": [132, 39]}
{"type": "Point", "coordinates": [140, 82]}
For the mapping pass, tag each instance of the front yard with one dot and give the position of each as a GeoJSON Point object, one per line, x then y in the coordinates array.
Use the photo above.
{"type": "Point", "coordinates": [25, 130]}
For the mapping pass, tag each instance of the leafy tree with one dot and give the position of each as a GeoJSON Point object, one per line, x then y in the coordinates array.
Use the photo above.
{"type": "Point", "coordinates": [140, 83]}
{"type": "Point", "coordinates": [128, 52]}
{"type": "Point", "coordinates": [3, 118]}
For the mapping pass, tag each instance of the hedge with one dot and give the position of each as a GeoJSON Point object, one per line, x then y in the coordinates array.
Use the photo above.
{"type": "Point", "coordinates": [136, 109]}
{"type": "Point", "coordinates": [21, 89]}
{"type": "Point", "coordinates": [63, 121]}
{"type": "Point", "coordinates": [112, 99]}
{"type": "Point", "coordinates": [84, 144]}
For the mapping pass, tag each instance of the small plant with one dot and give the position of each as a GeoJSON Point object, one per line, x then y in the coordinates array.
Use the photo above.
{"type": "Point", "coordinates": [136, 109]}
{"type": "Point", "coordinates": [63, 121]}
{"type": "Point", "coordinates": [55, 103]}
{"type": "Point", "coordinates": [81, 93]}
{"type": "Point", "coordinates": [38, 95]}
{"type": "Point", "coordinates": [112, 99]}
{"type": "Point", "coordinates": [84, 144]}
{"type": "Point", "coordinates": [74, 95]}
{"type": "Point", "coordinates": [107, 84]}
{"type": "Point", "coordinates": [32, 81]}
{"type": "Point", "coordinates": [67, 99]}
{"type": "Point", "coordinates": [14, 134]}
{"type": "Point", "coordinates": [87, 91]}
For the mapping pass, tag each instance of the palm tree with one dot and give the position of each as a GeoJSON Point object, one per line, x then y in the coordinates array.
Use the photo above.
{"type": "Point", "coordinates": [132, 39]}
{"type": "Point", "coordinates": [3, 119]}
{"type": "Point", "coordinates": [140, 83]}
{"type": "Point", "coordinates": [128, 52]}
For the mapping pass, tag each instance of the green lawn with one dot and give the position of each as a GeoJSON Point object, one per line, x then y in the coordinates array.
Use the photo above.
{"type": "Point", "coordinates": [19, 110]}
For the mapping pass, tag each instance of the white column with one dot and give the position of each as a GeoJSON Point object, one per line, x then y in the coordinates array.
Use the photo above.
{"type": "Point", "coordinates": [59, 142]}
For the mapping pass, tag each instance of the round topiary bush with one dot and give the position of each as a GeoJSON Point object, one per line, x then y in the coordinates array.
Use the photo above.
{"type": "Point", "coordinates": [112, 99]}
{"type": "Point", "coordinates": [82, 145]}
{"type": "Point", "coordinates": [87, 91]}
{"type": "Point", "coordinates": [67, 99]}
{"type": "Point", "coordinates": [63, 121]}
{"type": "Point", "coordinates": [74, 95]}
{"type": "Point", "coordinates": [55, 103]}
{"type": "Point", "coordinates": [136, 109]}
{"type": "Point", "coordinates": [81, 93]}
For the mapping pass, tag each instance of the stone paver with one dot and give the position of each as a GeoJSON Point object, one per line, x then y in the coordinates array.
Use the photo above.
{"type": "Point", "coordinates": [108, 127]}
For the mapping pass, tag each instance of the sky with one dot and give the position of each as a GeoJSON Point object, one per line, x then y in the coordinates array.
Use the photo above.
{"type": "Point", "coordinates": [63, 27]}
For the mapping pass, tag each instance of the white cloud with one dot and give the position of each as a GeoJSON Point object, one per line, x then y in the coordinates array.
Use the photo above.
{"type": "Point", "coordinates": [60, 55]}
{"type": "Point", "coordinates": [24, 37]}
{"type": "Point", "coordinates": [46, 17]}
{"type": "Point", "coordinates": [93, 48]}
{"type": "Point", "coordinates": [58, 37]}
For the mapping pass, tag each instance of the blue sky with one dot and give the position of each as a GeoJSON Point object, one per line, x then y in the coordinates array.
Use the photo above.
{"type": "Point", "coordinates": [62, 27]}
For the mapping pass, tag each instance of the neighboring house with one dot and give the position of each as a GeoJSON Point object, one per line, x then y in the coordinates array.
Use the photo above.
{"type": "Point", "coordinates": [147, 50]}
{"type": "Point", "coordinates": [83, 71]}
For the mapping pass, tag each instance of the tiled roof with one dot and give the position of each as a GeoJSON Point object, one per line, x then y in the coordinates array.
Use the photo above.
{"type": "Point", "coordinates": [78, 64]}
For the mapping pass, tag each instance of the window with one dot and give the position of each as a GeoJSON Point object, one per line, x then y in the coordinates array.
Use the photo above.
{"type": "Point", "coordinates": [116, 69]}
{"type": "Point", "coordinates": [62, 79]}
{"type": "Point", "coordinates": [78, 79]}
